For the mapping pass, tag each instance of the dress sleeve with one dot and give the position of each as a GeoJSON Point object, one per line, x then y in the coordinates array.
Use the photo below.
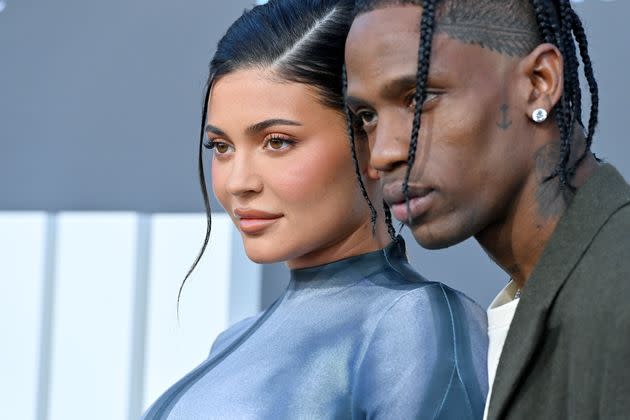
{"type": "Point", "coordinates": [425, 359]}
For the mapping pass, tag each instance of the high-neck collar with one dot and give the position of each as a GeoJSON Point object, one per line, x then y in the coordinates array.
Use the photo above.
{"type": "Point", "coordinates": [349, 269]}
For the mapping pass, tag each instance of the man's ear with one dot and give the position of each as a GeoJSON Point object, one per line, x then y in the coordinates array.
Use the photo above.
{"type": "Point", "coordinates": [542, 76]}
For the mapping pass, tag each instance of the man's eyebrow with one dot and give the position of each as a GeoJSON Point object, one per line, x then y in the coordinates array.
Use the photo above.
{"type": "Point", "coordinates": [397, 86]}
{"type": "Point", "coordinates": [391, 90]}
{"type": "Point", "coordinates": [354, 102]}
{"type": "Point", "coordinates": [216, 130]}
{"type": "Point", "coordinates": [260, 126]}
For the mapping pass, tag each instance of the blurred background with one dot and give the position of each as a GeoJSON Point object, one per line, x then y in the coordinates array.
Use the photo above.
{"type": "Point", "coordinates": [100, 105]}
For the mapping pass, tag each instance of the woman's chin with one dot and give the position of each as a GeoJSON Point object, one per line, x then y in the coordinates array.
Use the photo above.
{"type": "Point", "coordinates": [264, 256]}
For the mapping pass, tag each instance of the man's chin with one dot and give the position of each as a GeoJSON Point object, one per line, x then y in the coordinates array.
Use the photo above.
{"type": "Point", "coordinates": [433, 239]}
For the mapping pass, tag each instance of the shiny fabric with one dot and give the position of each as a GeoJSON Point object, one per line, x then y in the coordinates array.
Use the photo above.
{"type": "Point", "coordinates": [364, 337]}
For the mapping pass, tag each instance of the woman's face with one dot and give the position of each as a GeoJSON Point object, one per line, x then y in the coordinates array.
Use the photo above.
{"type": "Point", "coordinates": [282, 170]}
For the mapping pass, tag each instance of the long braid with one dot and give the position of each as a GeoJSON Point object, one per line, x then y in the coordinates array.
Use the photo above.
{"type": "Point", "coordinates": [573, 90]}
{"type": "Point", "coordinates": [357, 168]}
{"type": "Point", "coordinates": [560, 25]}
{"type": "Point", "coordinates": [550, 25]}
{"type": "Point", "coordinates": [580, 37]}
{"type": "Point", "coordinates": [542, 17]}
{"type": "Point", "coordinates": [427, 24]}
{"type": "Point", "coordinates": [388, 221]}
{"type": "Point", "coordinates": [565, 115]}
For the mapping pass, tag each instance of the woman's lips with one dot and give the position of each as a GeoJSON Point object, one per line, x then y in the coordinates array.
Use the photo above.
{"type": "Point", "coordinates": [252, 221]}
{"type": "Point", "coordinates": [252, 226]}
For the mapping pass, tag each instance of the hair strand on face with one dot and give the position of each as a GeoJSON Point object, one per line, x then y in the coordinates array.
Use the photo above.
{"type": "Point", "coordinates": [427, 23]}
{"type": "Point", "coordinates": [204, 194]}
{"type": "Point", "coordinates": [353, 151]}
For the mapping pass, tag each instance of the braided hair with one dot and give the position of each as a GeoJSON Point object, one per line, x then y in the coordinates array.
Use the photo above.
{"type": "Point", "coordinates": [557, 23]}
{"type": "Point", "coordinates": [351, 122]}
{"type": "Point", "coordinates": [353, 151]}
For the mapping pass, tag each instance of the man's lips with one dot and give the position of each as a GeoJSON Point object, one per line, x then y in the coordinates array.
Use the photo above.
{"type": "Point", "coordinates": [252, 221]}
{"type": "Point", "coordinates": [420, 199]}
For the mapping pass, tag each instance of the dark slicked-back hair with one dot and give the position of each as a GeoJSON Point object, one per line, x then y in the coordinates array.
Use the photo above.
{"type": "Point", "coordinates": [515, 28]}
{"type": "Point", "coordinates": [299, 41]}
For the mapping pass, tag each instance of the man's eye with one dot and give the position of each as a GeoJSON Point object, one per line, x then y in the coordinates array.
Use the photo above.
{"type": "Point", "coordinates": [367, 118]}
{"type": "Point", "coordinates": [411, 99]}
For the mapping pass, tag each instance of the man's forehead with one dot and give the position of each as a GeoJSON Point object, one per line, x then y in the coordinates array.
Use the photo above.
{"type": "Point", "coordinates": [382, 40]}
{"type": "Point", "coordinates": [380, 22]}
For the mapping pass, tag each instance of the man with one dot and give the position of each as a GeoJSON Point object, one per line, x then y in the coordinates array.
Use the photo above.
{"type": "Point", "coordinates": [489, 91]}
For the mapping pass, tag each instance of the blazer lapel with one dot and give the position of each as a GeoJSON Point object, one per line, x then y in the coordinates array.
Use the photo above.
{"type": "Point", "coordinates": [594, 203]}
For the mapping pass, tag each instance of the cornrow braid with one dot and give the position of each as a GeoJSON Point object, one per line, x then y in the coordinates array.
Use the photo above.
{"type": "Point", "coordinates": [427, 24]}
{"type": "Point", "coordinates": [540, 11]}
{"type": "Point", "coordinates": [357, 168]}
{"type": "Point", "coordinates": [580, 37]}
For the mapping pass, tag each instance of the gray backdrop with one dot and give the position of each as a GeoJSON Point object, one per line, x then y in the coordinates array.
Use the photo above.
{"type": "Point", "coordinates": [100, 104]}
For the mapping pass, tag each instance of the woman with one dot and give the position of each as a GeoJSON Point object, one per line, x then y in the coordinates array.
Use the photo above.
{"type": "Point", "coordinates": [357, 333]}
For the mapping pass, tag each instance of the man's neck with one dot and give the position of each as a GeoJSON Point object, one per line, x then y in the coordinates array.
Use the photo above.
{"type": "Point", "coordinates": [517, 242]}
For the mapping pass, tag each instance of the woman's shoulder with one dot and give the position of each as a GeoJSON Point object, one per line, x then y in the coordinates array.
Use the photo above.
{"type": "Point", "coordinates": [402, 285]}
{"type": "Point", "coordinates": [431, 332]}
{"type": "Point", "coordinates": [235, 331]}
{"type": "Point", "coordinates": [428, 303]}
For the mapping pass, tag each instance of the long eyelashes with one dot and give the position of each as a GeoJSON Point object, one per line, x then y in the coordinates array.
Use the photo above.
{"type": "Point", "coordinates": [274, 143]}
{"type": "Point", "coordinates": [281, 142]}
{"type": "Point", "coordinates": [208, 144]}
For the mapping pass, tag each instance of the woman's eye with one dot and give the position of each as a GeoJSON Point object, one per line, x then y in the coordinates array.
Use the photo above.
{"type": "Point", "coordinates": [278, 143]}
{"type": "Point", "coordinates": [219, 147]}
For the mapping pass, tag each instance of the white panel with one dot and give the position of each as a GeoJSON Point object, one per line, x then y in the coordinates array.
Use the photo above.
{"type": "Point", "coordinates": [22, 265]}
{"type": "Point", "coordinates": [245, 282]}
{"type": "Point", "coordinates": [174, 348]}
{"type": "Point", "coordinates": [92, 323]}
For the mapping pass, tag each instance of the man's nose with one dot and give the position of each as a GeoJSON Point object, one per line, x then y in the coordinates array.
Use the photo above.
{"type": "Point", "coordinates": [389, 148]}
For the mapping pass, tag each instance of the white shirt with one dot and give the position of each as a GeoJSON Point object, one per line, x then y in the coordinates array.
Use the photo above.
{"type": "Point", "coordinates": [500, 314]}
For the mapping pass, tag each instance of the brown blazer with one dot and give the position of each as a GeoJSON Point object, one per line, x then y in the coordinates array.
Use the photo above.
{"type": "Point", "coordinates": [567, 353]}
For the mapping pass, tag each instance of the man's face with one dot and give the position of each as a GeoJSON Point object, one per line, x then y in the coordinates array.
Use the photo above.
{"type": "Point", "coordinates": [470, 165]}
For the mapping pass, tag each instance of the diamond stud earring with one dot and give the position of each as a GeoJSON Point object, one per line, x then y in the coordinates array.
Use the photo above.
{"type": "Point", "coordinates": [539, 115]}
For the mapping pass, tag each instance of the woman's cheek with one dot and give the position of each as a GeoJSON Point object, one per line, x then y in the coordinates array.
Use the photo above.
{"type": "Point", "coordinates": [219, 178]}
{"type": "Point", "coordinates": [305, 180]}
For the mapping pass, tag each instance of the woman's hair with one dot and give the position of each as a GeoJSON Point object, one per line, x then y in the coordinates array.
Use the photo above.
{"type": "Point", "coordinates": [524, 24]}
{"type": "Point", "coordinates": [300, 41]}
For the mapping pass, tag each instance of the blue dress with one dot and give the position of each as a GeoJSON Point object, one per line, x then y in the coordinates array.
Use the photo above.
{"type": "Point", "coordinates": [364, 337]}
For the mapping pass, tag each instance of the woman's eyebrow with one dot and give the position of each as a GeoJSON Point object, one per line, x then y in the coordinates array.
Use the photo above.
{"type": "Point", "coordinates": [216, 130]}
{"type": "Point", "coordinates": [260, 126]}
